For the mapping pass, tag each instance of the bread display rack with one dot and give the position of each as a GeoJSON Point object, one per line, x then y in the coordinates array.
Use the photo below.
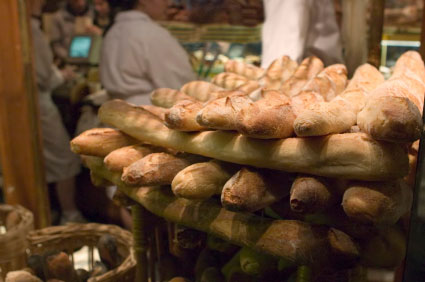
{"type": "Point", "coordinates": [329, 162]}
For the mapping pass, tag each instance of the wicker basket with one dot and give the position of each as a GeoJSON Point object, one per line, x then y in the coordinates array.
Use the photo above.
{"type": "Point", "coordinates": [13, 243]}
{"type": "Point", "coordinates": [71, 237]}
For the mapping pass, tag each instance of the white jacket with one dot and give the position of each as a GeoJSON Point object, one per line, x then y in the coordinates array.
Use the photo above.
{"type": "Point", "coordinates": [300, 28]}
{"type": "Point", "coordinates": [138, 56]}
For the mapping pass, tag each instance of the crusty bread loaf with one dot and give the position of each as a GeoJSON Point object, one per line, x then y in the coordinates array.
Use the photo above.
{"type": "Point", "coordinates": [390, 112]}
{"type": "Point", "coordinates": [253, 189]}
{"type": "Point", "coordinates": [268, 118]}
{"type": "Point", "coordinates": [158, 111]}
{"type": "Point", "coordinates": [166, 97]}
{"type": "Point", "coordinates": [249, 86]}
{"type": "Point", "coordinates": [351, 155]}
{"type": "Point", "coordinates": [304, 100]}
{"type": "Point", "coordinates": [380, 203]}
{"type": "Point", "coordinates": [119, 159]}
{"type": "Point", "coordinates": [278, 72]}
{"type": "Point", "coordinates": [249, 71]}
{"type": "Point", "coordinates": [100, 141]}
{"type": "Point", "coordinates": [340, 114]}
{"type": "Point", "coordinates": [307, 70]}
{"type": "Point", "coordinates": [221, 113]}
{"type": "Point", "coordinates": [228, 80]}
{"type": "Point", "coordinates": [202, 180]}
{"type": "Point", "coordinates": [200, 90]}
{"type": "Point", "coordinates": [393, 119]}
{"type": "Point", "coordinates": [311, 194]}
{"type": "Point", "coordinates": [182, 116]}
{"type": "Point", "coordinates": [155, 169]}
{"type": "Point", "coordinates": [330, 82]}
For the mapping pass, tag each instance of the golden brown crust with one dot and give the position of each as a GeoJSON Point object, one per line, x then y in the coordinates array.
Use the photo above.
{"type": "Point", "coordinates": [100, 141]}
{"type": "Point", "coordinates": [119, 159]}
{"type": "Point", "coordinates": [229, 81]}
{"type": "Point", "coordinates": [379, 203]}
{"type": "Point", "coordinates": [158, 111]}
{"type": "Point", "coordinates": [268, 118]}
{"type": "Point", "coordinates": [307, 70]}
{"type": "Point", "coordinates": [200, 90]}
{"type": "Point", "coordinates": [202, 180]}
{"type": "Point", "coordinates": [251, 72]}
{"type": "Point", "coordinates": [155, 169]}
{"type": "Point", "coordinates": [279, 71]}
{"type": "Point", "coordinates": [182, 116]}
{"type": "Point", "coordinates": [252, 189]}
{"type": "Point", "coordinates": [166, 97]}
{"type": "Point", "coordinates": [351, 155]}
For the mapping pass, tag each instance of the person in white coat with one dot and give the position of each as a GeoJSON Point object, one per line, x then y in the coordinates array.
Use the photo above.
{"type": "Point", "coordinates": [61, 165]}
{"type": "Point", "coordinates": [138, 55]}
{"type": "Point", "coordinates": [300, 28]}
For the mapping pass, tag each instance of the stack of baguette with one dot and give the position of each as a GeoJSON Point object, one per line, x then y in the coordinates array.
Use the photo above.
{"type": "Point", "coordinates": [325, 159]}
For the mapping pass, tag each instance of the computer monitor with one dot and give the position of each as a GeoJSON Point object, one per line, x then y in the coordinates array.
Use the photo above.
{"type": "Point", "coordinates": [84, 49]}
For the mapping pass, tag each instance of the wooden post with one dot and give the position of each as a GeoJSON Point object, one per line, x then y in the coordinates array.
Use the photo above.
{"type": "Point", "coordinates": [20, 145]}
{"type": "Point", "coordinates": [422, 48]}
{"type": "Point", "coordinates": [140, 242]}
{"type": "Point", "coordinates": [375, 36]}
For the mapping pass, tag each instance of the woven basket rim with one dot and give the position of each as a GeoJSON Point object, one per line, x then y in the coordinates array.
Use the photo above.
{"type": "Point", "coordinates": [54, 233]}
{"type": "Point", "coordinates": [25, 224]}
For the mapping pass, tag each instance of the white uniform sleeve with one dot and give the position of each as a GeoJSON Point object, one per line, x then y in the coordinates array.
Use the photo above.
{"type": "Point", "coordinates": [167, 62]}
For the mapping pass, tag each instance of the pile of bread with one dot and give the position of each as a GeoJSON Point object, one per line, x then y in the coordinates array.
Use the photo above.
{"type": "Point", "coordinates": [325, 158]}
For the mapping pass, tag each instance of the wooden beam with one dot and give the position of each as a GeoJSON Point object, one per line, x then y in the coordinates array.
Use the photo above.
{"type": "Point", "coordinates": [20, 146]}
{"type": "Point", "coordinates": [422, 48]}
{"type": "Point", "coordinates": [375, 34]}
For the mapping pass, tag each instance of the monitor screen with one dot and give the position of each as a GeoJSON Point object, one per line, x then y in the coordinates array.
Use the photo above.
{"type": "Point", "coordinates": [80, 47]}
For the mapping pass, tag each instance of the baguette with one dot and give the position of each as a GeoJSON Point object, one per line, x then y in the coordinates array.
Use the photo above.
{"type": "Point", "coordinates": [340, 114]}
{"type": "Point", "coordinates": [155, 169]}
{"type": "Point", "coordinates": [100, 141]}
{"type": "Point", "coordinates": [157, 111]}
{"type": "Point", "coordinates": [202, 180]}
{"type": "Point", "coordinates": [257, 264]}
{"type": "Point", "coordinates": [350, 155]}
{"type": "Point", "coordinates": [308, 69]}
{"type": "Point", "coordinates": [166, 97]}
{"type": "Point", "coordinates": [394, 111]}
{"type": "Point", "coordinates": [330, 82]}
{"type": "Point", "coordinates": [387, 249]}
{"type": "Point", "coordinates": [201, 90]}
{"type": "Point", "coordinates": [123, 157]}
{"type": "Point", "coordinates": [228, 80]}
{"type": "Point", "coordinates": [182, 116]}
{"type": "Point", "coordinates": [249, 86]}
{"type": "Point", "coordinates": [311, 195]}
{"type": "Point", "coordinates": [268, 118]}
{"type": "Point", "coordinates": [221, 113]}
{"type": "Point", "coordinates": [379, 203]}
{"type": "Point", "coordinates": [279, 71]}
{"type": "Point", "coordinates": [304, 100]}
{"type": "Point", "coordinates": [251, 189]}
{"type": "Point", "coordinates": [251, 72]}
{"type": "Point", "coordinates": [293, 240]}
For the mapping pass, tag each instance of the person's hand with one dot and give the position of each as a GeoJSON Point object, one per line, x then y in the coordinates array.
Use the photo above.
{"type": "Point", "coordinates": [68, 73]}
{"type": "Point", "coordinates": [92, 29]}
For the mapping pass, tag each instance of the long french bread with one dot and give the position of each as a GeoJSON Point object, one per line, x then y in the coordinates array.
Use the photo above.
{"type": "Point", "coordinates": [380, 203]}
{"type": "Point", "coordinates": [119, 159]}
{"type": "Point", "coordinates": [390, 112]}
{"type": "Point", "coordinates": [182, 116]}
{"type": "Point", "coordinates": [293, 240]}
{"type": "Point", "coordinates": [351, 155]}
{"type": "Point", "coordinates": [202, 180]}
{"type": "Point", "coordinates": [249, 71]}
{"type": "Point", "coordinates": [340, 114]}
{"type": "Point", "coordinates": [307, 70]}
{"type": "Point", "coordinates": [252, 189]}
{"type": "Point", "coordinates": [228, 80]}
{"type": "Point", "coordinates": [279, 71]}
{"type": "Point", "coordinates": [166, 97]}
{"type": "Point", "coordinates": [101, 141]}
{"type": "Point", "coordinates": [201, 90]}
